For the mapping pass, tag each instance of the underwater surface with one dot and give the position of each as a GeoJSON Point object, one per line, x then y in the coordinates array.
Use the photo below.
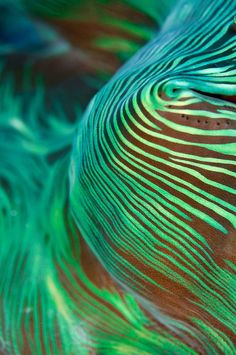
{"type": "Point", "coordinates": [117, 177]}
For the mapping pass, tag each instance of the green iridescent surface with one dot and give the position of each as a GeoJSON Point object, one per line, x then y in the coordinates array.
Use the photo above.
{"type": "Point", "coordinates": [139, 183]}
{"type": "Point", "coordinates": [139, 167]}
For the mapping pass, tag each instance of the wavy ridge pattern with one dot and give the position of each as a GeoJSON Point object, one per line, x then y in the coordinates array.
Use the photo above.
{"type": "Point", "coordinates": [153, 172]}
{"type": "Point", "coordinates": [49, 300]}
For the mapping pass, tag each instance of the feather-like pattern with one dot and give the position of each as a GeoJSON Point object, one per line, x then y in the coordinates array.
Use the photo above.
{"type": "Point", "coordinates": [153, 173]}
{"type": "Point", "coordinates": [127, 244]}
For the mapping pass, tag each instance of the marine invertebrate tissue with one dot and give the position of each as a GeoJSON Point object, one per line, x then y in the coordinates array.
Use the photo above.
{"type": "Point", "coordinates": [118, 177]}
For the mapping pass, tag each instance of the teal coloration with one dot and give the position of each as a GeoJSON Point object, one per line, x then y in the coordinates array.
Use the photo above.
{"type": "Point", "coordinates": [149, 184]}
{"type": "Point", "coordinates": [141, 208]}
{"type": "Point", "coordinates": [40, 254]}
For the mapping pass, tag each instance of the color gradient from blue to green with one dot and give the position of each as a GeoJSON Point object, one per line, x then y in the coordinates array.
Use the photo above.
{"type": "Point", "coordinates": [153, 170]}
{"type": "Point", "coordinates": [144, 183]}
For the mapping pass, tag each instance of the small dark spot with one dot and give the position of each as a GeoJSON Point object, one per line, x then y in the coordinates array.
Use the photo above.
{"type": "Point", "coordinates": [218, 123]}
{"type": "Point", "coordinates": [182, 116]}
{"type": "Point", "coordinates": [169, 106]}
{"type": "Point", "coordinates": [198, 121]}
{"type": "Point", "coordinates": [227, 122]}
{"type": "Point", "coordinates": [206, 122]}
{"type": "Point", "coordinates": [233, 27]}
{"type": "Point", "coordinates": [4, 211]}
{"type": "Point", "coordinates": [187, 118]}
{"type": "Point", "coordinates": [46, 239]}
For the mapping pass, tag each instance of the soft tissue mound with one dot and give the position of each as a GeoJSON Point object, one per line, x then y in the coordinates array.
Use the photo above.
{"type": "Point", "coordinates": [127, 244]}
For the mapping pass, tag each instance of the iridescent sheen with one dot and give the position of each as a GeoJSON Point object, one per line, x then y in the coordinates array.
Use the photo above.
{"type": "Point", "coordinates": [153, 175]}
{"type": "Point", "coordinates": [125, 244]}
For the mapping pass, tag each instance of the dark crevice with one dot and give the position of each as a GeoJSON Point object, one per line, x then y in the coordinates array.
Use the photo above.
{"type": "Point", "coordinates": [228, 98]}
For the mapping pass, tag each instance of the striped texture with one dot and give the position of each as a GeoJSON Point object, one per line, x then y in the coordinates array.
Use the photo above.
{"type": "Point", "coordinates": [153, 174]}
{"type": "Point", "coordinates": [54, 296]}
{"type": "Point", "coordinates": [152, 184]}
